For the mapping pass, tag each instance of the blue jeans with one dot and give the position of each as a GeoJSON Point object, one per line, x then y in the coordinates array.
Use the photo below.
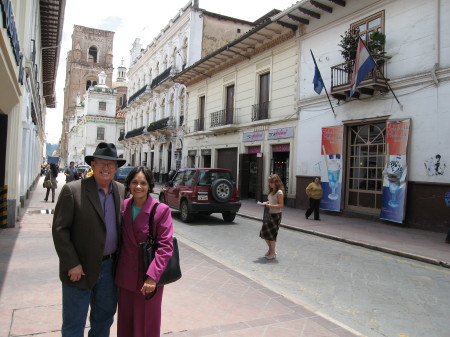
{"type": "Point", "coordinates": [102, 299]}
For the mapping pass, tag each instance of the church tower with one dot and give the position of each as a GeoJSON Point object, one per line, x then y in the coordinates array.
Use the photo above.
{"type": "Point", "coordinates": [91, 55]}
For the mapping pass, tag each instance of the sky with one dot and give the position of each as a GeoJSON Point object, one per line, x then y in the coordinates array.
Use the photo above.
{"type": "Point", "coordinates": [133, 19]}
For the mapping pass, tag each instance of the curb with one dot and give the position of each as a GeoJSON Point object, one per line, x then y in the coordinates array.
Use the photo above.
{"type": "Point", "coordinates": [361, 244]}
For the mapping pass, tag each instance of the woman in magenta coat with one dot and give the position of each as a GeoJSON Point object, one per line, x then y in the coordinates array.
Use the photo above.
{"type": "Point", "coordinates": [137, 316]}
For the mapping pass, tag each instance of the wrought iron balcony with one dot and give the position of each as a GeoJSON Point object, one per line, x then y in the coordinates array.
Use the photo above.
{"type": "Point", "coordinates": [341, 77]}
{"type": "Point", "coordinates": [199, 124]}
{"type": "Point", "coordinates": [260, 111]}
{"type": "Point", "coordinates": [137, 94]}
{"type": "Point", "coordinates": [222, 117]}
{"type": "Point", "coordinates": [161, 124]}
{"type": "Point", "coordinates": [161, 77]}
{"type": "Point", "coordinates": [135, 132]}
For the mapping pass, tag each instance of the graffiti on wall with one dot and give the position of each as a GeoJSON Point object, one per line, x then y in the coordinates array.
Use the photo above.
{"type": "Point", "coordinates": [435, 166]}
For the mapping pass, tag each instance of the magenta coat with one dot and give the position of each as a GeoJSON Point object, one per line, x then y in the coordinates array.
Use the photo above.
{"type": "Point", "coordinates": [129, 274]}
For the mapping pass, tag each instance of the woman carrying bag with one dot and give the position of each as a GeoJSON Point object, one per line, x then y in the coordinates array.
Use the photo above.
{"type": "Point", "coordinates": [272, 220]}
{"type": "Point", "coordinates": [50, 182]}
{"type": "Point", "coordinates": [139, 302]}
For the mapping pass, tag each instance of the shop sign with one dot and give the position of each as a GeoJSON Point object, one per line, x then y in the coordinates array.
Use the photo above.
{"type": "Point", "coordinates": [253, 149]}
{"type": "Point", "coordinates": [281, 133]}
{"type": "Point", "coordinates": [206, 152]}
{"type": "Point", "coordinates": [253, 136]}
{"type": "Point", "coordinates": [281, 148]}
{"type": "Point", "coordinates": [192, 153]}
{"type": "Point", "coordinates": [10, 26]}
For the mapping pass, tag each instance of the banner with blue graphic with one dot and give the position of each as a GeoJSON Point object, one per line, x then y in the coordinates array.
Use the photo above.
{"type": "Point", "coordinates": [395, 172]}
{"type": "Point", "coordinates": [331, 168]}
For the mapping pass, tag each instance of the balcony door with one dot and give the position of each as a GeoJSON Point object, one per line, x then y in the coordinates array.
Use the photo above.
{"type": "Point", "coordinates": [229, 109]}
{"type": "Point", "coordinates": [264, 96]}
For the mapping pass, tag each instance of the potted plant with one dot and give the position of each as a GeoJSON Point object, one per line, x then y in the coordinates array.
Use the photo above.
{"type": "Point", "coordinates": [349, 45]}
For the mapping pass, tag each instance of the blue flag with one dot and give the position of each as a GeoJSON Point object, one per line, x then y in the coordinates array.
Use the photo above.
{"type": "Point", "coordinates": [318, 81]}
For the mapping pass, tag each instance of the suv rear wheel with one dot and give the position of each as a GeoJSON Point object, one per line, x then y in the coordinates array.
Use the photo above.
{"type": "Point", "coordinates": [228, 216]}
{"type": "Point", "coordinates": [222, 190]}
{"type": "Point", "coordinates": [186, 216]}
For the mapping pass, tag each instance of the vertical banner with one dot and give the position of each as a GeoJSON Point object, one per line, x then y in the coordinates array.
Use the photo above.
{"type": "Point", "coordinates": [394, 174]}
{"type": "Point", "coordinates": [331, 167]}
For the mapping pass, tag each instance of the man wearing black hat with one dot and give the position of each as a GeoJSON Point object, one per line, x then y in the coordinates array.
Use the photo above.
{"type": "Point", "coordinates": [86, 228]}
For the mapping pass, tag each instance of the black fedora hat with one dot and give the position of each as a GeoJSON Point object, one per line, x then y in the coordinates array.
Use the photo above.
{"type": "Point", "coordinates": [105, 151]}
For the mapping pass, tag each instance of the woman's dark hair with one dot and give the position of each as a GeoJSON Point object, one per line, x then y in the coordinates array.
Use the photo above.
{"type": "Point", "coordinates": [148, 176]}
{"type": "Point", "coordinates": [54, 169]}
{"type": "Point", "coordinates": [317, 177]}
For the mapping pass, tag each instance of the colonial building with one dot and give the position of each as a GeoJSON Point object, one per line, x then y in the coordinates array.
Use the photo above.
{"type": "Point", "coordinates": [378, 153]}
{"type": "Point", "coordinates": [155, 120]}
{"type": "Point", "coordinates": [30, 38]}
{"type": "Point", "coordinates": [242, 111]}
{"type": "Point", "coordinates": [91, 54]}
{"type": "Point", "coordinates": [96, 120]}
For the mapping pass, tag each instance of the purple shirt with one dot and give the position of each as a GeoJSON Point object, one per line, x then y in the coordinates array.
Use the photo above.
{"type": "Point", "coordinates": [109, 214]}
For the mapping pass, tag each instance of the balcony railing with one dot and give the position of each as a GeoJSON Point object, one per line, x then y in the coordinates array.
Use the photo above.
{"type": "Point", "coordinates": [341, 76]}
{"type": "Point", "coordinates": [161, 77]}
{"type": "Point", "coordinates": [135, 132]}
{"type": "Point", "coordinates": [199, 124]}
{"type": "Point", "coordinates": [222, 117]}
{"type": "Point", "coordinates": [161, 124]}
{"type": "Point", "coordinates": [137, 94]}
{"type": "Point", "coordinates": [260, 111]}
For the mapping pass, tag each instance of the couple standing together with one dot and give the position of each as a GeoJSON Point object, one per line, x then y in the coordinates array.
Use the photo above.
{"type": "Point", "coordinates": [96, 235]}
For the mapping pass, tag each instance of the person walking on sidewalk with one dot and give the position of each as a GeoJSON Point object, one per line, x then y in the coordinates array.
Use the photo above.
{"type": "Point", "coordinates": [50, 181]}
{"type": "Point", "coordinates": [139, 301]}
{"type": "Point", "coordinates": [71, 173]}
{"type": "Point", "coordinates": [86, 227]}
{"type": "Point", "coordinates": [272, 214]}
{"type": "Point", "coordinates": [314, 192]}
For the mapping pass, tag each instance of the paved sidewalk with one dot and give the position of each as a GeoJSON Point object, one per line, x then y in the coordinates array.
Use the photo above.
{"type": "Point", "coordinates": [425, 246]}
{"type": "Point", "coordinates": [210, 300]}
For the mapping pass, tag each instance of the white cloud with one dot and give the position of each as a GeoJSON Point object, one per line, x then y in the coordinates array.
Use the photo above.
{"type": "Point", "coordinates": [132, 19]}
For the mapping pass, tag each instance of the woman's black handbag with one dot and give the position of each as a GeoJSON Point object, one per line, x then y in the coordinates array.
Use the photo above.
{"type": "Point", "coordinates": [149, 247]}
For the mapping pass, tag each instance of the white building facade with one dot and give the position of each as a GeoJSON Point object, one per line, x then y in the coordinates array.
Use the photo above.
{"type": "Point", "coordinates": [30, 35]}
{"type": "Point", "coordinates": [242, 108]}
{"type": "Point", "coordinates": [96, 121]}
{"type": "Point", "coordinates": [417, 66]}
{"type": "Point", "coordinates": [155, 116]}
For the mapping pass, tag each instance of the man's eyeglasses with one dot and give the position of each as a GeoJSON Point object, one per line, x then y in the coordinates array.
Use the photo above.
{"type": "Point", "coordinates": [108, 165]}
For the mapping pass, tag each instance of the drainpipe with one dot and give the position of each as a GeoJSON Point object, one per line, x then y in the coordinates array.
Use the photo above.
{"type": "Point", "coordinates": [436, 42]}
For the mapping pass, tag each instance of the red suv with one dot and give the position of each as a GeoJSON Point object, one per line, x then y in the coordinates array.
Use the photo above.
{"type": "Point", "coordinates": [202, 190]}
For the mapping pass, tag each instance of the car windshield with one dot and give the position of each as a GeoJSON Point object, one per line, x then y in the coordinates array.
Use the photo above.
{"type": "Point", "coordinates": [207, 177]}
{"type": "Point", "coordinates": [123, 171]}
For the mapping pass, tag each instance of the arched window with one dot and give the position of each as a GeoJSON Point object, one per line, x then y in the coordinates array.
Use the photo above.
{"type": "Point", "coordinates": [184, 53]}
{"type": "Point", "coordinates": [171, 104]}
{"type": "Point", "coordinates": [92, 56]}
{"type": "Point", "coordinates": [154, 113]}
{"type": "Point", "coordinates": [182, 106]}
{"type": "Point", "coordinates": [163, 108]}
{"type": "Point", "coordinates": [165, 63]}
{"type": "Point", "coordinates": [88, 84]}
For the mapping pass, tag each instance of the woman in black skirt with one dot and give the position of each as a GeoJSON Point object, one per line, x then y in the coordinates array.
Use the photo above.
{"type": "Point", "coordinates": [272, 216]}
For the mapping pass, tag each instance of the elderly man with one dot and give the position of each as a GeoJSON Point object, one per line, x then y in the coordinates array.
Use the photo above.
{"type": "Point", "coordinates": [86, 228]}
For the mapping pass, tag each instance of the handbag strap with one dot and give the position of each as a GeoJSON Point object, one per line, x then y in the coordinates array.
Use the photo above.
{"type": "Point", "coordinates": [151, 218]}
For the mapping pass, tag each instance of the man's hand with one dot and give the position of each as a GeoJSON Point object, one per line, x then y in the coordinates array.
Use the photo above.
{"type": "Point", "coordinates": [75, 273]}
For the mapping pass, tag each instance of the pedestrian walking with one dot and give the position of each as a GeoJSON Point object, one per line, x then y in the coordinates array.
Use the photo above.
{"type": "Point", "coordinates": [137, 316]}
{"type": "Point", "coordinates": [272, 214]}
{"type": "Point", "coordinates": [86, 227]}
{"type": "Point", "coordinates": [314, 192]}
{"type": "Point", "coordinates": [50, 182]}
{"type": "Point", "coordinates": [71, 173]}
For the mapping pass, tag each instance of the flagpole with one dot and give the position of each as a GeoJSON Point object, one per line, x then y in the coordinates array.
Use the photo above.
{"type": "Point", "coordinates": [329, 100]}
{"type": "Point", "coordinates": [378, 70]}
{"type": "Point", "coordinates": [323, 84]}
